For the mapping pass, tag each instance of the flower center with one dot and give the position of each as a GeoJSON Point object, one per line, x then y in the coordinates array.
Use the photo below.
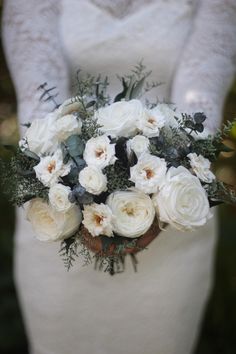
{"type": "Point", "coordinates": [99, 152]}
{"type": "Point", "coordinates": [98, 219]}
{"type": "Point", "coordinates": [149, 173]}
{"type": "Point", "coordinates": [151, 120]}
{"type": "Point", "coordinates": [51, 166]}
{"type": "Point", "coordinates": [129, 210]}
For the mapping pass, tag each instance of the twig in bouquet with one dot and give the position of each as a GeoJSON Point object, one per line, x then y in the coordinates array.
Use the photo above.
{"type": "Point", "coordinates": [47, 94]}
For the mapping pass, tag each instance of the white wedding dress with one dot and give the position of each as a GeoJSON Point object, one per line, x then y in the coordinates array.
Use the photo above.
{"type": "Point", "coordinates": [190, 46]}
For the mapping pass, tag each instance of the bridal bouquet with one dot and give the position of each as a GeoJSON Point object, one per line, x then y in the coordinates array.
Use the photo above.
{"type": "Point", "coordinates": [106, 175]}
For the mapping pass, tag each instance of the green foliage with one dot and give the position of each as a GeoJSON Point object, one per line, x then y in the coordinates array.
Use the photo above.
{"type": "Point", "coordinates": [90, 128]}
{"type": "Point", "coordinates": [135, 84]}
{"type": "Point", "coordinates": [72, 248]}
{"type": "Point", "coordinates": [19, 181]}
{"type": "Point", "coordinates": [117, 177]}
{"type": "Point", "coordinates": [219, 192]}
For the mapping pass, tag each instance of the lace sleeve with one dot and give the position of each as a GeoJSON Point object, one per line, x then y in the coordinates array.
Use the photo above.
{"type": "Point", "coordinates": [34, 55]}
{"type": "Point", "coordinates": [207, 66]}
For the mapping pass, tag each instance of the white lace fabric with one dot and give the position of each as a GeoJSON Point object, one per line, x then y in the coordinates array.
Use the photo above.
{"type": "Point", "coordinates": [207, 66]}
{"type": "Point", "coordinates": [34, 54]}
{"type": "Point", "coordinates": [157, 310]}
{"type": "Point", "coordinates": [202, 79]}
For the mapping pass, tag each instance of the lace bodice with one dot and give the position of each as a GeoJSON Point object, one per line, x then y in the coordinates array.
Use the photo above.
{"type": "Point", "coordinates": [202, 72]}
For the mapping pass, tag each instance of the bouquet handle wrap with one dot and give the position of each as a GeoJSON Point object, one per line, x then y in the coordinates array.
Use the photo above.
{"type": "Point", "coordinates": [95, 244]}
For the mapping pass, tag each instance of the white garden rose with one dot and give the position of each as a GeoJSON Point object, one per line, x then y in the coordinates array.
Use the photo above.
{"type": "Point", "coordinates": [138, 144]}
{"type": "Point", "coordinates": [50, 168]}
{"type": "Point", "coordinates": [66, 126]}
{"type": "Point", "coordinates": [120, 118]}
{"type": "Point", "coordinates": [149, 173]}
{"type": "Point", "coordinates": [133, 212]}
{"type": "Point", "coordinates": [69, 106]}
{"type": "Point", "coordinates": [51, 225]}
{"type": "Point", "coordinates": [40, 137]}
{"type": "Point", "coordinates": [99, 152]}
{"type": "Point", "coordinates": [58, 197]}
{"type": "Point", "coordinates": [93, 180]}
{"type": "Point", "coordinates": [182, 202]}
{"type": "Point", "coordinates": [201, 167]}
{"type": "Point", "coordinates": [168, 114]}
{"type": "Point", "coordinates": [97, 218]}
{"type": "Point", "coordinates": [151, 122]}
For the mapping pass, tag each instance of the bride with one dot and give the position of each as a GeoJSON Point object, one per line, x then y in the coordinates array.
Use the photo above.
{"type": "Point", "coordinates": [190, 46]}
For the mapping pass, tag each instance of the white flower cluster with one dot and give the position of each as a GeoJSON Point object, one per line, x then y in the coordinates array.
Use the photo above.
{"type": "Point", "coordinates": [173, 195]}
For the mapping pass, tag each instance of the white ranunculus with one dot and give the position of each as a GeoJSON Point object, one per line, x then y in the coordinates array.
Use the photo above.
{"type": "Point", "coordinates": [58, 197]}
{"type": "Point", "coordinates": [99, 152]}
{"type": "Point", "coordinates": [93, 180]}
{"type": "Point", "coordinates": [133, 212]}
{"type": "Point", "coordinates": [120, 118]}
{"type": "Point", "coordinates": [66, 126]}
{"type": "Point", "coordinates": [182, 202]}
{"type": "Point", "coordinates": [201, 167]}
{"type": "Point", "coordinates": [50, 168]}
{"type": "Point", "coordinates": [69, 106]}
{"type": "Point", "coordinates": [151, 122]}
{"type": "Point", "coordinates": [98, 219]}
{"type": "Point", "coordinates": [40, 137]}
{"type": "Point", "coordinates": [51, 225]}
{"type": "Point", "coordinates": [138, 144]}
{"type": "Point", "coordinates": [149, 173]}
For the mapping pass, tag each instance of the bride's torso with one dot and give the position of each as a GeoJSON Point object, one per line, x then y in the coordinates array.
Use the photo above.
{"type": "Point", "coordinates": [109, 37]}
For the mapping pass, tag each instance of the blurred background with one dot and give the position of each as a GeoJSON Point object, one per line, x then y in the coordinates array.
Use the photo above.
{"type": "Point", "coordinates": [218, 332]}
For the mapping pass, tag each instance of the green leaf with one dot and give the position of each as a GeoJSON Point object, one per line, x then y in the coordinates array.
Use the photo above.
{"type": "Point", "coordinates": [137, 89]}
{"type": "Point", "coordinates": [130, 88]}
{"type": "Point", "coordinates": [75, 145]}
{"type": "Point", "coordinates": [225, 148]}
{"type": "Point", "coordinates": [90, 104]}
{"type": "Point", "coordinates": [31, 154]}
{"type": "Point", "coordinates": [122, 94]}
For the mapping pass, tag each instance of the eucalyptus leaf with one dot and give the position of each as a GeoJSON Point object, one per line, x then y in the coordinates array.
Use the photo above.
{"type": "Point", "coordinates": [130, 88]}
{"type": "Point", "coordinates": [199, 127]}
{"type": "Point", "coordinates": [80, 163]}
{"type": "Point", "coordinates": [31, 154]}
{"type": "Point", "coordinates": [26, 173]}
{"type": "Point", "coordinates": [199, 117]}
{"type": "Point", "coordinates": [75, 145]}
{"type": "Point", "coordinates": [137, 89]}
{"type": "Point", "coordinates": [90, 104]}
{"type": "Point", "coordinates": [72, 176]}
{"type": "Point", "coordinates": [81, 195]}
{"type": "Point", "coordinates": [225, 148]}
{"type": "Point", "coordinates": [122, 94]}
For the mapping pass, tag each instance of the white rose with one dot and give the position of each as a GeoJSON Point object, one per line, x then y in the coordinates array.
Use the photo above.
{"type": "Point", "coordinates": [182, 201]}
{"type": "Point", "coordinates": [98, 219]}
{"type": "Point", "coordinates": [149, 173]}
{"type": "Point", "coordinates": [201, 167]}
{"type": "Point", "coordinates": [138, 144]}
{"type": "Point", "coordinates": [51, 225]}
{"type": "Point", "coordinates": [151, 122]}
{"type": "Point", "coordinates": [93, 180]}
{"type": "Point", "coordinates": [133, 212]}
{"type": "Point", "coordinates": [99, 152]}
{"type": "Point", "coordinates": [119, 118]}
{"type": "Point", "coordinates": [58, 197]}
{"type": "Point", "coordinates": [50, 168]}
{"type": "Point", "coordinates": [69, 106]}
{"type": "Point", "coordinates": [168, 114]}
{"type": "Point", "coordinates": [66, 126]}
{"type": "Point", "coordinates": [40, 137]}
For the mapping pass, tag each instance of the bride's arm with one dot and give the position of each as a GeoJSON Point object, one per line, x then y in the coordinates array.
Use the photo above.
{"type": "Point", "coordinates": [32, 46]}
{"type": "Point", "coordinates": [207, 66]}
